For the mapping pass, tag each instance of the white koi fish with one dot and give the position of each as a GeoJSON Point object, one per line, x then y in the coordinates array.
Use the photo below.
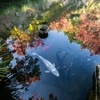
{"type": "Point", "coordinates": [50, 67]}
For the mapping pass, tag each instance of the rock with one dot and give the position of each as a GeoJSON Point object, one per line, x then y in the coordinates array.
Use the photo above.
{"type": "Point", "coordinates": [20, 14]}
{"type": "Point", "coordinates": [2, 28]}
{"type": "Point", "coordinates": [28, 13]}
{"type": "Point", "coordinates": [6, 21]}
{"type": "Point", "coordinates": [16, 21]}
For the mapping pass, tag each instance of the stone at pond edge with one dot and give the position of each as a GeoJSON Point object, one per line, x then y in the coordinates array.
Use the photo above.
{"type": "Point", "coordinates": [2, 28]}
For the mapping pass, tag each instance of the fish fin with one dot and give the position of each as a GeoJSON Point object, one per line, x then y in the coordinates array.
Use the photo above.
{"type": "Point", "coordinates": [53, 64]}
{"type": "Point", "coordinates": [47, 71]}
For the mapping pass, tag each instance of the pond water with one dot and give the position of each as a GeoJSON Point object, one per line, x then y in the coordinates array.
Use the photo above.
{"type": "Point", "coordinates": [64, 86]}
{"type": "Point", "coordinates": [47, 68]}
{"type": "Point", "coordinates": [75, 70]}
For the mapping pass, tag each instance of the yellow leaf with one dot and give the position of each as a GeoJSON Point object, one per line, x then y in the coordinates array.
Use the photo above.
{"type": "Point", "coordinates": [12, 31]}
{"type": "Point", "coordinates": [37, 22]}
{"type": "Point", "coordinates": [66, 30]}
{"type": "Point", "coordinates": [18, 39]}
{"type": "Point", "coordinates": [71, 27]}
{"type": "Point", "coordinates": [30, 27]}
{"type": "Point", "coordinates": [15, 28]}
{"type": "Point", "coordinates": [61, 5]}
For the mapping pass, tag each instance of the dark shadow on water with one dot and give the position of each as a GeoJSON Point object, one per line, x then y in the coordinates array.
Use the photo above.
{"type": "Point", "coordinates": [43, 36]}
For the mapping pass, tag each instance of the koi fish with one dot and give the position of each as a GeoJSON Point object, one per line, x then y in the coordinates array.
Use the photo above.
{"type": "Point", "coordinates": [60, 61]}
{"type": "Point", "coordinates": [68, 73]}
{"type": "Point", "coordinates": [46, 47]}
{"type": "Point", "coordinates": [51, 67]}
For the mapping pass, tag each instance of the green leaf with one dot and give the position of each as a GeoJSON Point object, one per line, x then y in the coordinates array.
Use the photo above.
{"type": "Point", "coordinates": [2, 73]}
{"type": "Point", "coordinates": [2, 45]}
{"type": "Point", "coordinates": [2, 63]}
{"type": "Point", "coordinates": [3, 76]}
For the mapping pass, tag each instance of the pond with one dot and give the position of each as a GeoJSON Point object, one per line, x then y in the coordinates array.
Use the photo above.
{"type": "Point", "coordinates": [50, 66]}
{"type": "Point", "coordinates": [74, 81]}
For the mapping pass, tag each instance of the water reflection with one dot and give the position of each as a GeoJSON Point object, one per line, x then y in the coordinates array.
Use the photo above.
{"type": "Point", "coordinates": [51, 97]}
{"type": "Point", "coordinates": [25, 76]}
{"type": "Point", "coordinates": [22, 75]}
{"type": "Point", "coordinates": [21, 40]}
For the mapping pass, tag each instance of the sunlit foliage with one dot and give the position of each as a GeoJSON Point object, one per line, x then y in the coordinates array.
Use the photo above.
{"type": "Point", "coordinates": [63, 23]}
{"type": "Point", "coordinates": [23, 39]}
{"type": "Point", "coordinates": [89, 32]}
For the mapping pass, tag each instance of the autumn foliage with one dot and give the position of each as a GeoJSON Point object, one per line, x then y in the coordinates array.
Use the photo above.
{"type": "Point", "coordinates": [89, 32]}
{"type": "Point", "coordinates": [63, 23]}
{"type": "Point", "coordinates": [22, 40]}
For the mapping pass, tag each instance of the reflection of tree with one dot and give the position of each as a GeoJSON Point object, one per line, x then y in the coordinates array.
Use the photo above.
{"type": "Point", "coordinates": [5, 94]}
{"type": "Point", "coordinates": [24, 73]}
{"type": "Point", "coordinates": [89, 32]}
{"type": "Point", "coordinates": [51, 97]}
{"type": "Point", "coordinates": [61, 24]}
{"type": "Point", "coordinates": [70, 36]}
{"type": "Point", "coordinates": [23, 40]}
{"type": "Point", "coordinates": [66, 24]}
